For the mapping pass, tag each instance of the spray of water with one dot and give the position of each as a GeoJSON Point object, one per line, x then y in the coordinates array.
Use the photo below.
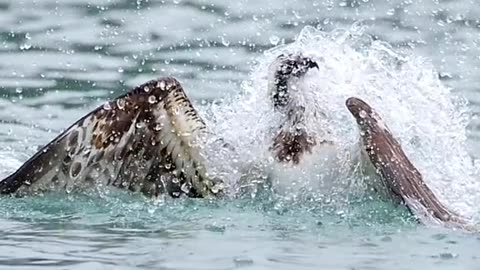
{"type": "Point", "coordinates": [425, 117]}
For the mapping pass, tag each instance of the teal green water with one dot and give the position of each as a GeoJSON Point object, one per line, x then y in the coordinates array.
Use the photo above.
{"type": "Point", "coordinates": [122, 231]}
{"type": "Point", "coordinates": [59, 59]}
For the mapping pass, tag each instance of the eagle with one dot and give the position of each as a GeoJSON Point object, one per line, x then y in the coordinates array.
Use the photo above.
{"type": "Point", "coordinates": [152, 140]}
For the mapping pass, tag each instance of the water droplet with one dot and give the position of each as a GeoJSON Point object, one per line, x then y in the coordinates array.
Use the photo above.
{"type": "Point", "coordinates": [152, 99]}
{"type": "Point", "coordinates": [363, 114]}
{"type": "Point", "coordinates": [168, 166]}
{"type": "Point", "coordinates": [69, 188]}
{"type": "Point", "coordinates": [225, 42]}
{"type": "Point", "coordinates": [87, 151]}
{"type": "Point", "coordinates": [107, 106]}
{"type": "Point", "coordinates": [176, 111]}
{"type": "Point", "coordinates": [186, 187]}
{"type": "Point", "coordinates": [146, 89]}
{"type": "Point", "coordinates": [217, 188]}
{"type": "Point", "coordinates": [157, 127]}
{"type": "Point", "coordinates": [121, 103]}
{"type": "Point", "coordinates": [161, 85]}
{"type": "Point", "coordinates": [120, 70]}
{"type": "Point", "coordinates": [25, 46]}
{"type": "Point", "coordinates": [274, 40]}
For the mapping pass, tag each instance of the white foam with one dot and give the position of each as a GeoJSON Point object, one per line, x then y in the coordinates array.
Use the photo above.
{"type": "Point", "coordinates": [405, 89]}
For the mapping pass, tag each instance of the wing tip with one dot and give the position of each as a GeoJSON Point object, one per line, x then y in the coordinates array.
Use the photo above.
{"type": "Point", "coordinates": [414, 192]}
{"type": "Point", "coordinates": [162, 84]}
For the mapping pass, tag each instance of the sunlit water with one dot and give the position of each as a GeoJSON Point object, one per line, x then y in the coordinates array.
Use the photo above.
{"type": "Point", "coordinates": [413, 60]}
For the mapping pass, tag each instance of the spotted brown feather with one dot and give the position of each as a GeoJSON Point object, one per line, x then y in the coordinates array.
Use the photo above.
{"type": "Point", "coordinates": [148, 140]}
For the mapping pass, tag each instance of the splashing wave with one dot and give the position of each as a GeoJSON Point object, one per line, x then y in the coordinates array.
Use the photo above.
{"type": "Point", "coordinates": [405, 89]}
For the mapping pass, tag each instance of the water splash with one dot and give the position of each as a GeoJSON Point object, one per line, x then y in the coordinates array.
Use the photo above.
{"type": "Point", "coordinates": [422, 113]}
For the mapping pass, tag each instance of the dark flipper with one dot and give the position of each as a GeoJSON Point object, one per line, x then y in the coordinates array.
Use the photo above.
{"type": "Point", "coordinates": [147, 140]}
{"type": "Point", "coordinates": [396, 170]}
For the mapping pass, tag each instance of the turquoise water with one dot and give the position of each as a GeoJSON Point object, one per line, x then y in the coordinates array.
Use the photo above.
{"type": "Point", "coordinates": [59, 59]}
{"type": "Point", "coordinates": [127, 232]}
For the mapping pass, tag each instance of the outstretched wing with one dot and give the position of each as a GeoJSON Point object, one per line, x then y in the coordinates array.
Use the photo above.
{"type": "Point", "coordinates": [398, 173]}
{"type": "Point", "coordinates": [147, 140]}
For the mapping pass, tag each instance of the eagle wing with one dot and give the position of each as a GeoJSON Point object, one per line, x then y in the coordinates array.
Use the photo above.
{"type": "Point", "coordinates": [148, 140]}
{"type": "Point", "coordinates": [399, 175]}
